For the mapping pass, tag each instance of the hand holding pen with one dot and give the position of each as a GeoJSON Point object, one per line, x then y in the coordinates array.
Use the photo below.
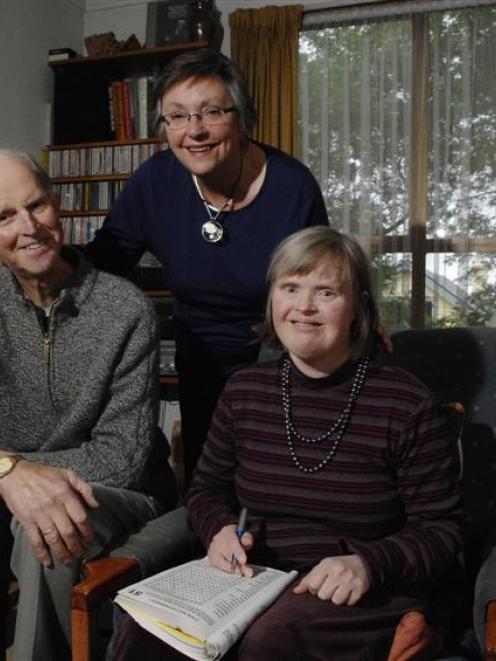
{"type": "Point", "coordinates": [228, 548]}
{"type": "Point", "coordinates": [240, 530]}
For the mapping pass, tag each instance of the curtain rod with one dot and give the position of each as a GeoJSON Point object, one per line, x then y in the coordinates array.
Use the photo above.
{"type": "Point", "coordinates": [345, 11]}
{"type": "Point", "coordinates": [342, 5]}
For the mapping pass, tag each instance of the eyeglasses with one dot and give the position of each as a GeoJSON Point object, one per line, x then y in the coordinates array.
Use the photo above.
{"type": "Point", "coordinates": [211, 115]}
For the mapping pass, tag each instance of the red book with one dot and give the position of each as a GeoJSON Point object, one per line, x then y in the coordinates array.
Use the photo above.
{"type": "Point", "coordinates": [127, 109]}
{"type": "Point", "coordinates": [118, 106]}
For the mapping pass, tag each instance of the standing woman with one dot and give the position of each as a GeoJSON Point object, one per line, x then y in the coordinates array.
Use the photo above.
{"type": "Point", "coordinates": [211, 208]}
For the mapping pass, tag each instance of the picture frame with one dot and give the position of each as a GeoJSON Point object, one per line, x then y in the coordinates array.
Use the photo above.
{"type": "Point", "coordinates": [168, 22]}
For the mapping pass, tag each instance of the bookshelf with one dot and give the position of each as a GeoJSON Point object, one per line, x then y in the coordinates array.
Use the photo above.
{"type": "Point", "coordinates": [88, 166]}
{"type": "Point", "coordinates": [81, 91]}
{"type": "Point", "coordinates": [87, 177]}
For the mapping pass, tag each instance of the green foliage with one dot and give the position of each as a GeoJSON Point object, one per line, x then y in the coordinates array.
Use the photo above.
{"type": "Point", "coordinates": [479, 308]}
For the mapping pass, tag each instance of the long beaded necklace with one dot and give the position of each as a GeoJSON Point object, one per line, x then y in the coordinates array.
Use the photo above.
{"type": "Point", "coordinates": [212, 229]}
{"type": "Point", "coordinates": [335, 431]}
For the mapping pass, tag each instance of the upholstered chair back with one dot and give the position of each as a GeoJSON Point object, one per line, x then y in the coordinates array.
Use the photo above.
{"type": "Point", "coordinates": [459, 365]}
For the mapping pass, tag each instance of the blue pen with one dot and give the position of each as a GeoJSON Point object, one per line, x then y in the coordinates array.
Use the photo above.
{"type": "Point", "coordinates": [240, 529]}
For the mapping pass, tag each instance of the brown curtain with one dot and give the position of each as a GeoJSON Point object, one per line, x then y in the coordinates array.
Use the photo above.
{"type": "Point", "coordinates": [264, 44]}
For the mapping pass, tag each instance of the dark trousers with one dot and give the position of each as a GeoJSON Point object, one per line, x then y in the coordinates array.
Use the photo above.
{"type": "Point", "coordinates": [5, 550]}
{"type": "Point", "coordinates": [202, 376]}
{"type": "Point", "coordinates": [296, 628]}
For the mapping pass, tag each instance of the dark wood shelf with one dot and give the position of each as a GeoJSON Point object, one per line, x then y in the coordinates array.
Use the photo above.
{"type": "Point", "coordinates": [65, 213]}
{"type": "Point", "coordinates": [169, 379]}
{"type": "Point", "coordinates": [104, 143]}
{"type": "Point", "coordinates": [157, 293]}
{"type": "Point", "coordinates": [142, 56]}
{"type": "Point", "coordinates": [89, 177]}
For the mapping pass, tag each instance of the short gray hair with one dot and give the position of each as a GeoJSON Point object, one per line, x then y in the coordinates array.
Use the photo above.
{"type": "Point", "coordinates": [35, 168]}
{"type": "Point", "coordinates": [208, 63]}
{"type": "Point", "coordinates": [300, 253]}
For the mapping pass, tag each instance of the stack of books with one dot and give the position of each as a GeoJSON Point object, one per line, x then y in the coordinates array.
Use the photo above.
{"type": "Point", "coordinates": [130, 107]}
{"type": "Point", "coordinates": [57, 54]}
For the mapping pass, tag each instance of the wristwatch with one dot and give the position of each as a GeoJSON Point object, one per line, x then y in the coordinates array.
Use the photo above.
{"type": "Point", "coordinates": [8, 463]}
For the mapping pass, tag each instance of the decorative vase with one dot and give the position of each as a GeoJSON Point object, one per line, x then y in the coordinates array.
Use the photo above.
{"type": "Point", "coordinates": [202, 20]}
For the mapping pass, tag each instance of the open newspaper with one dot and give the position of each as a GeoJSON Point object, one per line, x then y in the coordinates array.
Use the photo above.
{"type": "Point", "coordinates": [199, 610]}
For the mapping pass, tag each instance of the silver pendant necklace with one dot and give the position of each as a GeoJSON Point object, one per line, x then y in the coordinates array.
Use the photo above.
{"type": "Point", "coordinates": [335, 431]}
{"type": "Point", "coordinates": [212, 229]}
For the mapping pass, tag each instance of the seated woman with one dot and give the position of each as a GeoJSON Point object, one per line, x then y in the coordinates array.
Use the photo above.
{"type": "Point", "coordinates": [347, 466]}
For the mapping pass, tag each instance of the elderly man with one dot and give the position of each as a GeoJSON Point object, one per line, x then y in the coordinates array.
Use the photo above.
{"type": "Point", "coordinates": [79, 464]}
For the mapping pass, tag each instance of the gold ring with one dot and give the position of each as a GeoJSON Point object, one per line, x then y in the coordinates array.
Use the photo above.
{"type": "Point", "coordinates": [48, 531]}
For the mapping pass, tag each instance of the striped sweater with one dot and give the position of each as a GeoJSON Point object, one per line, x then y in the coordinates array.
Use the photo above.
{"type": "Point", "coordinates": [391, 493]}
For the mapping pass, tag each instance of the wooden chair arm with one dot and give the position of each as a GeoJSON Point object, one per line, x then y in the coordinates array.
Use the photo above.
{"type": "Point", "coordinates": [414, 639]}
{"type": "Point", "coordinates": [103, 578]}
{"type": "Point", "coordinates": [490, 651]}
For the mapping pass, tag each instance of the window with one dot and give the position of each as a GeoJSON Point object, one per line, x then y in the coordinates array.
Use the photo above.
{"type": "Point", "coordinates": [398, 124]}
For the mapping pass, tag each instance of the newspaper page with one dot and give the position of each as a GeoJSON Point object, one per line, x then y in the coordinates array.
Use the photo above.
{"type": "Point", "coordinates": [200, 610]}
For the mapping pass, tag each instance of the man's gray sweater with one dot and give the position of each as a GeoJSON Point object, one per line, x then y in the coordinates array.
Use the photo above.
{"type": "Point", "coordinates": [82, 394]}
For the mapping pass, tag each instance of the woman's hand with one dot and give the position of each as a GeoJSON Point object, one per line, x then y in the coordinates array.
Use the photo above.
{"type": "Point", "coordinates": [224, 545]}
{"type": "Point", "coordinates": [342, 580]}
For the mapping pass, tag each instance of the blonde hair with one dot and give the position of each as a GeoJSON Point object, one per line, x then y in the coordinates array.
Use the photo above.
{"type": "Point", "coordinates": [300, 253]}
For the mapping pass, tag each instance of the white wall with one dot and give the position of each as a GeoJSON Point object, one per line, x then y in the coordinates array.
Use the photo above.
{"type": "Point", "coordinates": [29, 28]}
{"type": "Point", "coordinates": [123, 18]}
{"type": "Point", "coordinates": [129, 16]}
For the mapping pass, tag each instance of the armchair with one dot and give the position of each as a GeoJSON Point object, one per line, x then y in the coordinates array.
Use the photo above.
{"type": "Point", "coordinates": [459, 365]}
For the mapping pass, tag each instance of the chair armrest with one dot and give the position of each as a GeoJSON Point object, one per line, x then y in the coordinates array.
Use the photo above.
{"type": "Point", "coordinates": [490, 651]}
{"type": "Point", "coordinates": [102, 579]}
{"type": "Point", "coordinates": [414, 638]}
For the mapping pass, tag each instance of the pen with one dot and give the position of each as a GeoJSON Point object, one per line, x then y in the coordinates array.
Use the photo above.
{"type": "Point", "coordinates": [240, 529]}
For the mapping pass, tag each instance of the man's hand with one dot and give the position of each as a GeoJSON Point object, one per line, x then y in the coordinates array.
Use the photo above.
{"type": "Point", "coordinates": [342, 580]}
{"type": "Point", "coordinates": [224, 545]}
{"type": "Point", "coordinates": [50, 503]}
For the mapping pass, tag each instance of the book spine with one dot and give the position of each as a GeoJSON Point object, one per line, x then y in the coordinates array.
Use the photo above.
{"type": "Point", "coordinates": [126, 101]}
{"type": "Point", "coordinates": [133, 88]}
{"type": "Point", "coordinates": [111, 110]}
{"type": "Point", "coordinates": [117, 100]}
{"type": "Point", "coordinates": [143, 106]}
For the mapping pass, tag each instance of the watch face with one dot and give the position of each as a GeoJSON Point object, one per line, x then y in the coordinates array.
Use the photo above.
{"type": "Point", "coordinates": [6, 464]}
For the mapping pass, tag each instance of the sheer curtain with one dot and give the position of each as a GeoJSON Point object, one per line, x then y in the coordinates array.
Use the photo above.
{"type": "Point", "coordinates": [462, 158]}
{"type": "Point", "coordinates": [398, 122]}
{"type": "Point", "coordinates": [264, 44]}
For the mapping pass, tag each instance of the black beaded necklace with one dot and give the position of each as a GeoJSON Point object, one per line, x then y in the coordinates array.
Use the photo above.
{"type": "Point", "coordinates": [335, 431]}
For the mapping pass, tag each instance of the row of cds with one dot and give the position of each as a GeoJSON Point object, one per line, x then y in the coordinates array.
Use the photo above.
{"type": "Point", "coordinates": [88, 195]}
{"type": "Point", "coordinates": [99, 161]}
{"type": "Point", "coordinates": [80, 230]}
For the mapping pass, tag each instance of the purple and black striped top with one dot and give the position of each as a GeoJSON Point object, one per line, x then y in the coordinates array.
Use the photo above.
{"type": "Point", "coordinates": [391, 493]}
